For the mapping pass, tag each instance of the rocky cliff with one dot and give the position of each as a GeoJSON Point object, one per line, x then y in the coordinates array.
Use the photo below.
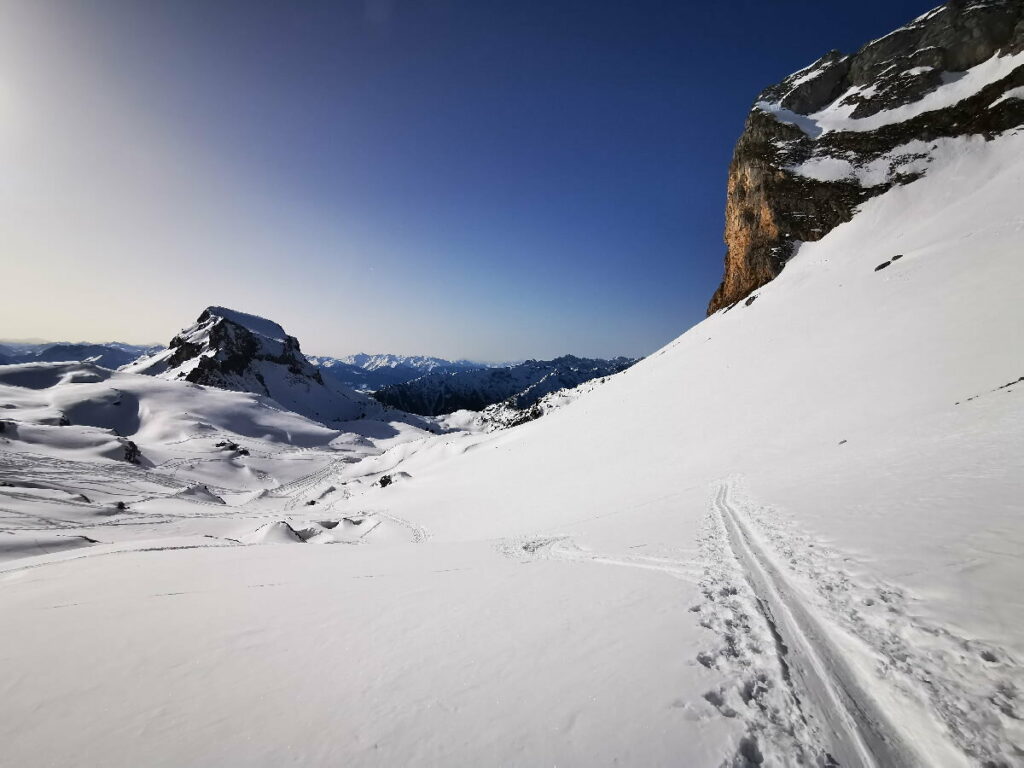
{"type": "Point", "coordinates": [847, 128]}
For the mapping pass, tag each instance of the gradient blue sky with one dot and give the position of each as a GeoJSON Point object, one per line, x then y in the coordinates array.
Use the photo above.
{"type": "Point", "coordinates": [465, 178]}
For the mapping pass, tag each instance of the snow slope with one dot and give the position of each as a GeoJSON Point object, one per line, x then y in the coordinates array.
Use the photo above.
{"type": "Point", "coordinates": [792, 535]}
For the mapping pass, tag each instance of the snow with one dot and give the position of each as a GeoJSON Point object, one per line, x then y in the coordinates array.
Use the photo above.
{"type": "Point", "coordinates": [837, 115]}
{"type": "Point", "coordinates": [256, 324]}
{"type": "Point", "coordinates": [794, 531]}
{"type": "Point", "coordinates": [369, 373]}
{"type": "Point", "coordinates": [1013, 93]}
{"type": "Point", "coordinates": [247, 353]}
{"type": "Point", "coordinates": [914, 157]}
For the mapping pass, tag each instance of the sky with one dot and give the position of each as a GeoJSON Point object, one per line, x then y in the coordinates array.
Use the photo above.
{"type": "Point", "coordinates": [488, 179]}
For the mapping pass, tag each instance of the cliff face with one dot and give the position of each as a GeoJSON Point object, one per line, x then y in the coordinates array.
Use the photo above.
{"type": "Point", "coordinates": [847, 128]}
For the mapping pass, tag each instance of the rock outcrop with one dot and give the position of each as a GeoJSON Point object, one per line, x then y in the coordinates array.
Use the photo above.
{"type": "Point", "coordinates": [233, 350]}
{"type": "Point", "coordinates": [848, 128]}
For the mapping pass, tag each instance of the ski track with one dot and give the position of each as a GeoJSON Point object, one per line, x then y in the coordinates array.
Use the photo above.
{"type": "Point", "coordinates": [784, 606]}
{"type": "Point", "coordinates": [420, 534]}
{"type": "Point", "coordinates": [529, 548]}
{"type": "Point", "coordinates": [779, 600]}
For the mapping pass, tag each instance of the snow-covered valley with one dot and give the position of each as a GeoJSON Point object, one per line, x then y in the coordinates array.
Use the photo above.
{"type": "Point", "coordinates": [794, 536]}
{"type": "Point", "coordinates": [705, 556]}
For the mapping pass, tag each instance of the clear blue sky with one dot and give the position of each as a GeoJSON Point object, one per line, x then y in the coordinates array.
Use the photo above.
{"type": "Point", "coordinates": [479, 178]}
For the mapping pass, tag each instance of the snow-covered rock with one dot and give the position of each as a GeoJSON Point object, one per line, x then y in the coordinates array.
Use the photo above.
{"type": "Point", "coordinates": [507, 414]}
{"type": "Point", "coordinates": [233, 350]}
{"type": "Point", "coordinates": [847, 128]}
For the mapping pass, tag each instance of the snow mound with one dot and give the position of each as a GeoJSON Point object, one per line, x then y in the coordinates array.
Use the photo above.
{"type": "Point", "coordinates": [200, 492]}
{"type": "Point", "coordinates": [278, 532]}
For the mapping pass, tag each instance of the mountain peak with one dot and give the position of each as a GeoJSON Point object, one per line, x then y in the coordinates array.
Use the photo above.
{"type": "Point", "coordinates": [238, 351]}
{"type": "Point", "coordinates": [252, 323]}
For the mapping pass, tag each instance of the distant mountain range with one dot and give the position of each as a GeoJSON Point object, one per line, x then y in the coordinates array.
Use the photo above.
{"type": "Point", "coordinates": [368, 373]}
{"type": "Point", "coordinates": [111, 354]}
{"type": "Point", "coordinates": [236, 351]}
{"type": "Point", "coordinates": [520, 386]}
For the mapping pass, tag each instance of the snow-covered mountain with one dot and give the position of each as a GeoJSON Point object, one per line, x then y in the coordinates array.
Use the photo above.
{"type": "Point", "coordinates": [791, 537]}
{"type": "Point", "coordinates": [507, 414]}
{"type": "Point", "coordinates": [420, 363]}
{"type": "Point", "coordinates": [233, 350]}
{"type": "Point", "coordinates": [109, 355]}
{"type": "Point", "coordinates": [521, 385]}
{"type": "Point", "coordinates": [850, 127]}
{"type": "Point", "coordinates": [368, 373]}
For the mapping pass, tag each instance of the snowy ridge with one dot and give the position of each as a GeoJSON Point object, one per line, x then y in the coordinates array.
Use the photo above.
{"type": "Point", "coordinates": [420, 363]}
{"type": "Point", "coordinates": [369, 373]}
{"type": "Point", "coordinates": [252, 323]}
{"type": "Point", "coordinates": [507, 414]}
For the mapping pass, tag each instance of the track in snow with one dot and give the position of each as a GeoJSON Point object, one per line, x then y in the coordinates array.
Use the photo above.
{"type": "Point", "coordinates": [830, 700]}
{"type": "Point", "coordinates": [564, 548]}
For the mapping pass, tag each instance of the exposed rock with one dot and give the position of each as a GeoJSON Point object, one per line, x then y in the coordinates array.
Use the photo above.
{"type": "Point", "coordinates": [132, 454]}
{"type": "Point", "coordinates": [775, 202]}
{"type": "Point", "coordinates": [507, 414]}
{"type": "Point", "coordinates": [237, 343]}
{"type": "Point", "coordinates": [233, 350]}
